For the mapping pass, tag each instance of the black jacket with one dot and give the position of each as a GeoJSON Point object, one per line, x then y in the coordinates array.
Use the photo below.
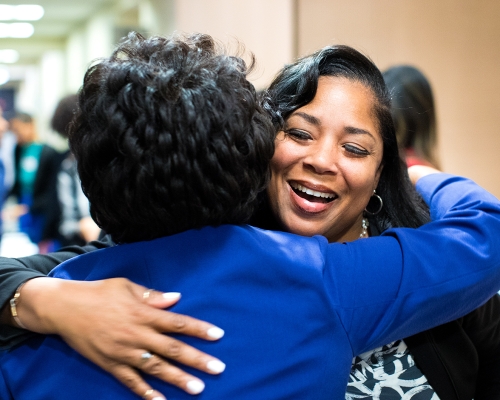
{"type": "Point", "coordinates": [45, 200]}
{"type": "Point", "coordinates": [461, 359]}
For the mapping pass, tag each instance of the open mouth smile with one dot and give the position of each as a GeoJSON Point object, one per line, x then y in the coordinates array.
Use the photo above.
{"type": "Point", "coordinates": [312, 195]}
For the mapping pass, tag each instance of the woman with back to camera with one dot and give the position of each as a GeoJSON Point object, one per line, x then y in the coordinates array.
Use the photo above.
{"type": "Point", "coordinates": [353, 149]}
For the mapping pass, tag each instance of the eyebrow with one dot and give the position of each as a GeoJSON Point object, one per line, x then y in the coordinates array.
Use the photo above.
{"type": "Point", "coordinates": [357, 131]}
{"type": "Point", "coordinates": [308, 117]}
{"type": "Point", "coordinates": [317, 122]}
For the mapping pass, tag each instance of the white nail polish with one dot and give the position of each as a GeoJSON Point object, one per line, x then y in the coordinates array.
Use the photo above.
{"type": "Point", "coordinates": [216, 366]}
{"type": "Point", "coordinates": [158, 398]}
{"type": "Point", "coordinates": [215, 332]}
{"type": "Point", "coordinates": [171, 296]}
{"type": "Point", "coordinates": [195, 387]}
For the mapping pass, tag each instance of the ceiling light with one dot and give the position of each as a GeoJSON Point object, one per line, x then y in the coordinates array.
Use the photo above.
{"type": "Point", "coordinates": [4, 75]}
{"type": "Point", "coordinates": [16, 30]}
{"type": "Point", "coordinates": [23, 12]}
{"type": "Point", "coordinates": [9, 56]}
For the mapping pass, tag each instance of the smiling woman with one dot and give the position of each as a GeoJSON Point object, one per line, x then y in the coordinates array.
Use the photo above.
{"type": "Point", "coordinates": [335, 136]}
{"type": "Point", "coordinates": [327, 162]}
{"type": "Point", "coordinates": [335, 146]}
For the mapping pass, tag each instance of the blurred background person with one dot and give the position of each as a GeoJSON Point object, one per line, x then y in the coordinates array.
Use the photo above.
{"type": "Point", "coordinates": [76, 225]}
{"type": "Point", "coordinates": [7, 145]}
{"type": "Point", "coordinates": [36, 168]}
{"type": "Point", "coordinates": [414, 114]}
{"type": "Point", "coordinates": [4, 126]}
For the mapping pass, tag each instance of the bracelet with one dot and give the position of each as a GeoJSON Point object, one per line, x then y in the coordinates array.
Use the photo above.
{"type": "Point", "coordinates": [13, 306]}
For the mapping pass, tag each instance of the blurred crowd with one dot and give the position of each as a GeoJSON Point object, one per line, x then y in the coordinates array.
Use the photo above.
{"type": "Point", "coordinates": [39, 185]}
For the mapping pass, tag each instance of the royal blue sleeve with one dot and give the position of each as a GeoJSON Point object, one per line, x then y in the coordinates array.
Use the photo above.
{"type": "Point", "coordinates": [4, 391]}
{"type": "Point", "coordinates": [409, 280]}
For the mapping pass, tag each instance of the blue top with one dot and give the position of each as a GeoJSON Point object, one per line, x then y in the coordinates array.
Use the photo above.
{"type": "Point", "coordinates": [295, 310]}
{"type": "Point", "coordinates": [28, 166]}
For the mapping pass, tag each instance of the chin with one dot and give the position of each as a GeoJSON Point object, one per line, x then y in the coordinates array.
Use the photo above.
{"type": "Point", "coordinates": [304, 230]}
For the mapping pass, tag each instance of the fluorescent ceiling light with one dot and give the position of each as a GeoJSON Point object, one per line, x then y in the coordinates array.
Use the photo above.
{"type": "Point", "coordinates": [16, 30]}
{"type": "Point", "coordinates": [4, 75]}
{"type": "Point", "coordinates": [9, 56]}
{"type": "Point", "coordinates": [23, 12]}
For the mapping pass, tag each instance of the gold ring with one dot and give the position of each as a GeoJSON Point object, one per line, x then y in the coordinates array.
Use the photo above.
{"type": "Point", "coordinates": [148, 393]}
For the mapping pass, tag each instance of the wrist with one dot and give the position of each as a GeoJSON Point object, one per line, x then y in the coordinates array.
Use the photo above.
{"type": "Point", "coordinates": [34, 304]}
{"type": "Point", "coordinates": [416, 172]}
{"type": "Point", "coordinates": [13, 303]}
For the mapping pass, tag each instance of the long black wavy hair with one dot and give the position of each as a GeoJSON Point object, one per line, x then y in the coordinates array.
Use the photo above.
{"type": "Point", "coordinates": [296, 85]}
{"type": "Point", "coordinates": [170, 136]}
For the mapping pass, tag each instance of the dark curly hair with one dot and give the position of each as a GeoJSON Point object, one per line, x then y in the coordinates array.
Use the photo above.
{"type": "Point", "coordinates": [296, 86]}
{"type": "Point", "coordinates": [170, 136]}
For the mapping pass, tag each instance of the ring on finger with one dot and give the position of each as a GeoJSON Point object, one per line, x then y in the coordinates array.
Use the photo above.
{"type": "Point", "coordinates": [148, 393]}
{"type": "Point", "coordinates": [146, 356]}
{"type": "Point", "coordinates": [146, 294]}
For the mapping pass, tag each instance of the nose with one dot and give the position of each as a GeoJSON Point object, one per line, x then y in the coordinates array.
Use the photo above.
{"type": "Point", "coordinates": [322, 159]}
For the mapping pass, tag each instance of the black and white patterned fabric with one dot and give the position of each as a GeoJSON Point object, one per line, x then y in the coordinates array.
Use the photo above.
{"type": "Point", "coordinates": [388, 373]}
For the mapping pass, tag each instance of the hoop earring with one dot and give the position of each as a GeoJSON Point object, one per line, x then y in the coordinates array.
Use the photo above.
{"type": "Point", "coordinates": [380, 206]}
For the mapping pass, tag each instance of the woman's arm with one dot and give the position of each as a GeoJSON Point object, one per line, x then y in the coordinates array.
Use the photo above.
{"type": "Point", "coordinates": [409, 280]}
{"type": "Point", "coordinates": [15, 271]}
{"type": "Point", "coordinates": [107, 321]}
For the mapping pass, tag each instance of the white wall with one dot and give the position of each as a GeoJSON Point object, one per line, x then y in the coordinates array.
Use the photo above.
{"type": "Point", "coordinates": [76, 61]}
{"type": "Point", "coordinates": [99, 36]}
{"type": "Point", "coordinates": [52, 88]}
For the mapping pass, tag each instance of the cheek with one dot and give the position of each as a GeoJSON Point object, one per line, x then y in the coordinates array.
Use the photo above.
{"type": "Point", "coordinates": [280, 164]}
{"type": "Point", "coordinates": [281, 158]}
{"type": "Point", "coordinates": [361, 178]}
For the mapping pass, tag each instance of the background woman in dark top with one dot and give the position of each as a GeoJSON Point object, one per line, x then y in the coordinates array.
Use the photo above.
{"type": "Point", "coordinates": [413, 111]}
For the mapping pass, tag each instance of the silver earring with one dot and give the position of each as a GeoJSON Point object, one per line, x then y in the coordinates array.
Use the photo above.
{"type": "Point", "coordinates": [381, 204]}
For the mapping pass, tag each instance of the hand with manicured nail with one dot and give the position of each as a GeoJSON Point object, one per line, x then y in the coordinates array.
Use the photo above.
{"type": "Point", "coordinates": [85, 311]}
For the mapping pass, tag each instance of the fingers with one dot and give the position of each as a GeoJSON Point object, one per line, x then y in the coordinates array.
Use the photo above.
{"type": "Point", "coordinates": [132, 379]}
{"type": "Point", "coordinates": [177, 323]}
{"type": "Point", "coordinates": [158, 299]}
{"type": "Point", "coordinates": [156, 366]}
{"type": "Point", "coordinates": [152, 364]}
{"type": "Point", "coordinates": [172, 349]}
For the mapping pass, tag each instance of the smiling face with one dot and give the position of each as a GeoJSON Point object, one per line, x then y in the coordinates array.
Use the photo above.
{"type": "Point", "coordinates": [327, 162]}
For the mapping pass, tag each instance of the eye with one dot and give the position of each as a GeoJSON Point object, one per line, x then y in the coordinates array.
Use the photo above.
{"type": "Point", "coordinates": [355, 150]}
{"type": "Point", "coordinates": [297, 134]}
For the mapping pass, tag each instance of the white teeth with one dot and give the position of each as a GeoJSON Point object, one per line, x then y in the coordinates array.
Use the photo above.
{"type": "Point", "coordinates": [314, 193]}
